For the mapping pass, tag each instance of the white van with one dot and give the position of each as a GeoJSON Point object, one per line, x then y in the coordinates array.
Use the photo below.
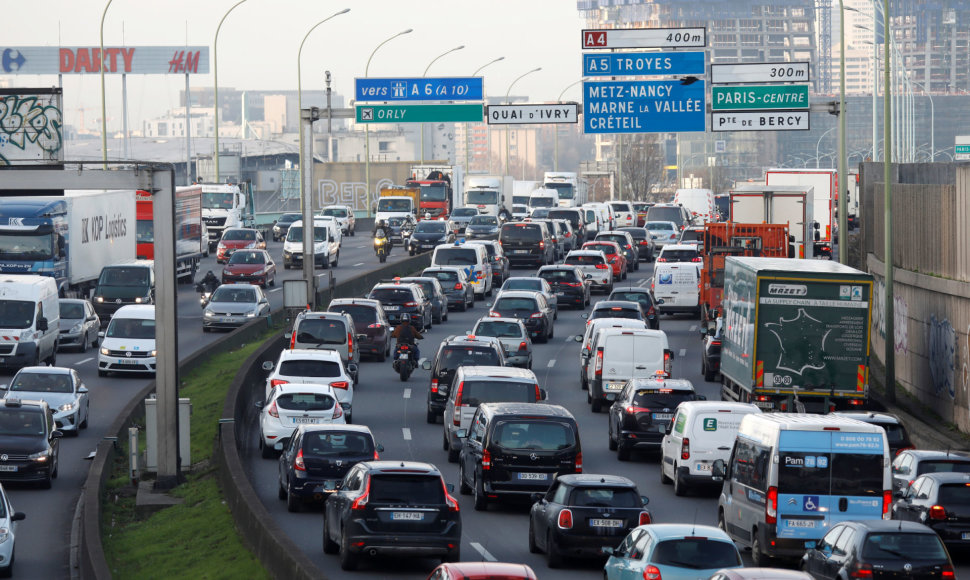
{"type": "Point", "coordinates": [128, 344]}
{"type": "Point", "coordinates": [626, 216]}
{"type": "Point", "coordinates": [675, 287]}
{"type": "Point", "coordinates": [544, 198]}
{"type": "Point", "coordinates": [589, 338]}
{"type": "Point", "coordinates": [326, 244]}
{"type": "Point", "coordinates": [607, 217]}
{"type": "Point", "coordinates": [699, 203]}
{"type": "Point", "coordinates": [791, 477]}
{"type": "Point", "coordinates": [621, 354]}
{"type": "Point", "coordinates": [593, 219]}
{"type": "Point", "coordinates": [470, 257]}
{"type": "Point", "coordinates": [30, 319]}
{"type": "Point", "coordinates": [700, 433]}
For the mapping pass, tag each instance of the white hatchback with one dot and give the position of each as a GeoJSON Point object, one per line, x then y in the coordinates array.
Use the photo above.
{"type": "Point", "coordinates": [292, 405]}
{"type": "Point", "coordinates": [128, 344]}
{"type": "Point", "coordinates": [312, 366]}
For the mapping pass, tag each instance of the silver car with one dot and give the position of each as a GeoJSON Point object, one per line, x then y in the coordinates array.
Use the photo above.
{"type": "Point", "coordinates": [460, 216]}
{"type": "Point", "coordinates": [534, 284]}
{"type": "Point", "coordinates": [79, 324]}
{"type": "Point", "coordinates": [662, 234]}
{"type": "Point", "coordinates": [233, 305]}
{"type": "Point", "coordinates": [61, 388]}
{"type": "Point", "coordinates": [513, 335]}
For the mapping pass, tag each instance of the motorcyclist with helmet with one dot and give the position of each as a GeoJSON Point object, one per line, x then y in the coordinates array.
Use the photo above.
{"type": "Point", "coordinates": [405, 333]}
{"type": "Point", "coordinates": [210, 282]}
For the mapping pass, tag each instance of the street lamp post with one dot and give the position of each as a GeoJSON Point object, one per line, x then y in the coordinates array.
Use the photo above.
{"type": "Point", "coordinates": [367, 126]}
{"type": "Point", "coordinates": [555, 159]}
{"type": "Point", "coordinates": [932, 121]}
{"type": "Point", "coordinates": [475, 74]}
{"type": "Point", "coordinates": [819, 145]}
{"type": "Point", "coordinates": [507, 93]}
{"type": "Point", "coordinates": [299, 96]}
{"type": "Point", "coordinates": [426, 69]}
{"type": "Point", "coordinates": [104, 118]}
{"type": "Point", "coordinates": [843, 171]}
{"type": "Point", "coordinates": [215, 80]}
{"type": "Point", "coordinates": [889, 353]}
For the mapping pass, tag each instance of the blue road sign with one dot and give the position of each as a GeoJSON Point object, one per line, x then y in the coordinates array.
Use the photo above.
{"type": "Point", "coordinates": [370, 89]}
{"type": "Point", "coordinates": [643, 107]}
{"type": "Point", "coordinates": [643, 64]}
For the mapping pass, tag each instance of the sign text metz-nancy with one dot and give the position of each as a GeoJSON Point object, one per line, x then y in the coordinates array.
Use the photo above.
{"type": "Point", "coordinates": [643, 107]}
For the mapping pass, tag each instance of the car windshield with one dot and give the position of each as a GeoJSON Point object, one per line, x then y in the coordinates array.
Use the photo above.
{"type": "Point", "coordinates": [540, 213]}
{"type": "Point", "coordinates": [692, 236]}
{"type": "Point", "coordinates": [321, 331]}
{"type": "Point", "coordinates": [583, 260]}
{"type": "Point", "coordinates": [542, 201]}
{"type": "Point", "coordinates": [227, 293]}
{"type": "Point", "coordinates": [620, 206]}
{"type": "Point", "coordinates": [640, 297]}
{"type": "Point", "coordinates": [135, 328]}
{"type": "Point", "coordinates": [394, 296]}
{"type": "Point", "coordinates": [622, 497]}
{"type": "Point", "coordinates": [464, 212]}
{"type": "Point", "coordinates": [455, 256]}
{"type": "Point", "coordinates": [331, 443]}
{"type": "Point", "coordinates": [217, 199]}
{"type": "Point", "coordinates": [498, 329]}
{"type": "Point", "coordinates": [456, 356]}
{"type": "Point", "coordinates": [72, 310]}
{"type": "Point", "coordinates": [609, 250]}
{"type": "Point", "coordinates": [361, 314]}
{"type": "Point", "coordinates": [335, 212]}
{"type": "Point", "coordinates": [537, 435]}
{"type": "Point", "coordinates": [434, 192]}
{"type": "Point", "coordinates": [615, 312]}
{"type": "Point", "coordinates": [520, 209]}
{"type": "Point", "coordinates": [295, 234]}
{"type": "Point", "coordinates": [900, 546]}
{"type": "Point", "coordinates": [289, 218]}
{"type": "Point", "coordinates": [21, 422]}
{"type": "Point", "coordinates": [563, 214]}
{"type": "Point", "coordinates": [667, 214]}
{"type": "Point", "coordinates": [660, 226]}
{"type": "Point", "coordinates": [637, 233]}
{"type": "Point", "coordinates": [305, 402]}
{"type": "Point", "coordinates": [387, 204]}
{"type": "Point", "coordinates": [240, 235]}
{"type": "Point", "coordinates": [444, 276]}
{"type": "Point", "coordinates": [618, 240]}
{"type": "Point", "coordinates": [515, 304]}
{"type": "Point", "coordinates": [660, 398]}
{"type": "Point", "coordinates": [124, 276]}
{"type": "Point", "coordinates": [521, 233]}
{"type": "Point", "coordinates": [247, 258]}
{"type": "Point", "coordinates": [476, 392]}
{"type": "Point", "coordinates": [677, 255]}
{"type": "Point", "coordinates": [429, 227]}
{"type": "Point", "coordinates": [481, 196]}
{"type": "Point", "coordinates": [42, 382]}
{"type": "Point", "coordinates": [309, 368]}
{"type": "Point", "coordinates": [696, 554]}
{"type": "Point", "coordinates": [530, 285]}
{"type": "Point", "coordinates": [942, 466]}
{"type": "Point", "coordinates": [483, 220]}
{"type": "Point", "coordinates": [145, 232]}
{"type": "Point", "coordinates": [405, 490]}
{"type": "Point", "coordinates": [895, 433]}
{"type": "Point", "coordinates": [558, 276]}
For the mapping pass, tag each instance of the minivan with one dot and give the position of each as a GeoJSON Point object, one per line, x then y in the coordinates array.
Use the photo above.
{"type": "Point", "coordinates": [527, 242]}
{"type": "Point", "coordinates": [700, 433]}
{"type": "Point", "coordinates": [471, 257]}
{"type": "Point", "coordinates": [120, 284]}
{"type": "Point", "coordinates": [328, 330]}
{"type": "Point", "coordinates": [791, 477]}
{"type": "Point", "coordinates": [326, 244]}
{"type": "Point", "coordinates": [484, 384]}
{"type": "Point", "coordinates": [30, 319]}
{"type": "Point", "coordinates": [515, 450]}
{"type": "Point", "coordinates": [675, 287]}
{"type": "Point", "coordinates": [642, 413]}
{"type": "Point", "coordinates": [621, 354]}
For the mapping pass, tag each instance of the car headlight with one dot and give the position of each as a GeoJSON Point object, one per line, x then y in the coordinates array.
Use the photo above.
{"type": "Point", "coordinates": [442, 239]}
{"type": "Point", "coordinates": [208, 313]}
{"type": "Point", "coordinates": [104, 351]}
{"type": "Point", "coordinates": [154, 353]}
{"type": "Point", "coordinates": [40, 456]}
{"type": "Point", "coordinates": [276, 229]}
{"type": "Point", "coordinates": [4, 535]}
{"type": "Point", "coordinates": [76, 328]}
{"type": "Point", "coordinates": [259, 272]}
{"type": "Point", "coordinates": [221, 247]}
{"type": "Point", "coordinates": [99, 298]}
{"type": "Point", "coordinates": [251, 314]}
{"type": "Point", "coordinates": [67, 406]}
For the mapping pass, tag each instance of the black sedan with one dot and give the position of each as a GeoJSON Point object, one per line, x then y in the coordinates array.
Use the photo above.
{"type": "Point", "coordinates": [428, 234]}
{"type": "Point", "coordinates": [569, 284]}
{"type": "Point", "coordinates": [282, 225]}
{"type": "Point", "coordinates": [583, 513]}
{"type": "Point", "coordinates": [711, 354]}
{"type": "Point", "coordinates": [942, 502]}
{"type": "Point", "coordinates": [530, 307]}
{"type": "Point", "coordinates": [644, 298]}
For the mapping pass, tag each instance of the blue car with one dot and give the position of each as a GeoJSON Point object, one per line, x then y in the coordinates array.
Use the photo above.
{"type": "Point", "coordinates": [671, 552]}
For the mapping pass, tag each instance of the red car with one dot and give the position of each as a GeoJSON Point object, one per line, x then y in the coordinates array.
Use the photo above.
{"type": "Point", "coordinates": [614, 255]}
{"type": "Point", "coordinates": [482, 571]}
{"type": "Point", "coordinates": [238, 239]}
{"type": "Point", "coordinates": [251, 267]}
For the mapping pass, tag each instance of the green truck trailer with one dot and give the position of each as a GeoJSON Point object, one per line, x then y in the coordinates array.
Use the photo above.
{"type": "Point", "coordinates": [796, 334]}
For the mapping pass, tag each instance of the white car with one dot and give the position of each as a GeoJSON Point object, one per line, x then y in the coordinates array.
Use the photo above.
{"type": "Point", "coordinates": [8, 527]}
{"type": "Point", "coordinates": [128, 345]}
{"type": "Point", "coordinates": [312, 366]}
{"type": "Point", "coordinates": [61, 388]}
{"type": "Point", "coordinates": [292, 405]}
{"type": "Point", "coordinates": [594, 267]}
{"type": "Point", "coordinates": [344, 217]}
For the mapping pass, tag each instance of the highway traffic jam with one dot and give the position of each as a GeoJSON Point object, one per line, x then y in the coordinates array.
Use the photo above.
{"type": "Point", "coordinates": [510, 409]}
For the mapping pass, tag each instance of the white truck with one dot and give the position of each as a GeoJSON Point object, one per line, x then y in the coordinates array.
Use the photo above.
{"type": "Point", "coordinates": [226, 205]}
{"type": "Point", "coordinates": [389, 206]}
{"type": "Point", "coordinates": [572, 190]}
{"type": "Point", "coordinates": [791, 205]}
{"type": "Point", "coordinates": [490, 194]}
{"type": "Point", "coordinates": [699, 203]}
{"type": "Point", "coordinates": [521, 190]}
{"type": "Point", "coordinates": [544, 198]}
{"type": "Point", "coordinates": [825, 184]}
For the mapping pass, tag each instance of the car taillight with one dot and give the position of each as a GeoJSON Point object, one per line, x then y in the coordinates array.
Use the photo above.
{"type": "Point", "coordinates": [350, 344]}
{"type": "Point", "coordinates": [456, 418]}
{"type": "Point", "coordinates": [947, 572]}
{"type": "Point", "coordinates": [566, 519]}
{"type": "Point", "coordinates": [771, 506]}
{"type": "Point", "coordinates": [278, 382]}
{"type": "Point", "coordinates": [376, 455]}
{"type": "Point", "coordinates": [292, 340]}
{"type": "Point", "coordinates": [601, 266]}
{"type": "Point", "coordinates": [887, 500]}
{"type": "Point", "coordinates": [375, 325]}
{"type": "Point", "coordinates": [535, 315]}
{"type": "Point", "coordinates": [410, 304]}
{"type": "Point", "coordinates": [633, 410]}
{"type": "Point", "coordinates": [901, 449]}
{"type": "Point", "coordinates": [673, 236]}
{"type": "Point", "coordinates": [494, 314]}
{"type": "Point", "coordinates": [272, 411]}
{"type": "Point", "coordinates": [661, 259]}
{"type": "Point", "coordinates": [697, 259]}
{"type": "Point", "coordinates": [628, 246]}
{"type": "Point", "coordinates": [651, 312]}
{"type": "Point", "coordinates": [340, 385]}
{"type": "Point", "coordinates": [450, 501]}
{"type": "Point", "coordinates": [668, 362]}
{"type": "Point", "coordinates": [434, 385]}
{"type": "Point", "coordinates": [598, 367]}
{"type": "Point", "coordinates": [579, 462]}
{"type": "Point", "coordinates": [571, 284]}
{"type": "Point", "coordinates": [937, 512]}
{"type": "Point", "coordinates": [861, 571]}
{"type": "Point", "coordinates": [458, 286]}
{"type": "Point", "coordinates": [338, 411]}
{"type": "Point", "coordinates": [651, 572]}
{"type": "Point", "coordinates": [538, 393]}
{"type": "Point", "coordinates": [643, 242]}
{"type": "Point", "coordinates": [298, 462]}
{"type": "Point", "coordinates": [644, 519]}
{"type": "Point", "coordinates": [685, 449]}
{"type": "Point", "coordinates": [361, 502]}
{"type": "Point", "coordinates": [486, 460]}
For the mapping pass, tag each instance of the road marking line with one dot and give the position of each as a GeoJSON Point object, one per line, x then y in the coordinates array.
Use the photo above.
{"type": "Point", "coordinates": [552, 363]}
{"type": "Point", "coordinates": [643, 282]}
{"type": "Point", "coordinates": [359, 264]}
{"type": "Point", "coordinates": [276, 290]}
{"type": "Point", "coordinates": [82, 361]}
{"type": "Point", "coordinates": [683, 352]}
{"type": "Point", "coordinates": [693, 328]}
{"type": "Point", "coordinates": [407, 393]}
{"type": "Point", "coordinates": [407, 433]}
{"type": "Point", "coordinates": [481, 550]}
{"type": "Point", "coordinates": [570, 339]}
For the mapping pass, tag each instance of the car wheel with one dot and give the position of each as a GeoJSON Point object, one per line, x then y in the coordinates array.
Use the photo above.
{"type": "Point", "coordinates": [552, 331]}
{"type": "Point", "coordinates": [452, 556]}
{"type": "Point", "coordinates": [709, 375]}
{"type": "Point", "coordinates": [273, 281]}
{"type": "Point", "coordinates": [265, 451]}
{"type": "Point", "coordinates": [452, 455]}
{"type": "Point", "coordinates": [758, 557]}
{"type": "Point", "coordinates": [720, 521]}
{"type": "Point", "coordinates": [87, 414]}
{"type": "Point", "coordinates": [553, 557]}
{"type": "Point", "coordinates": [663, 476]}
{"type": "Point", "coordinates": [597, 404]}
{"type": "Point", "coordinates": [444, 440]}
{"type": "Point", "coordinates": [481, 502]}
{"type": "Point", "coordinates": [47, 481]}
{"type": "Point", "coordinates": [382, 356]}
{"type": "Point", "coordinates": [293, 503]}
{"type": "Point", "coordinates": [463, 488]}
{"type": "Point", "coordinates": [281, 490]}
{"type": "Point", "coordinates": [622, 452]}
{"type": "Point", "coordinates": [336, 259]}
{"type": "Point", "coordinates": [329, 546]}
{"type": "Point", "coordinates": [611, 441]}
{"type": "Point", "coordinates": [431, 417]}
{"type": "Point", "coordinates": [680, 488]}
{"type": "Point", "coordinates": [533, 548]}
{"type": "Point", "coordinates": [348, 561]}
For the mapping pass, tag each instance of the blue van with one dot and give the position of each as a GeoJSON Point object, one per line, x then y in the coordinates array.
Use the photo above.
{"type": "Point", "coordinates": [791, 477]}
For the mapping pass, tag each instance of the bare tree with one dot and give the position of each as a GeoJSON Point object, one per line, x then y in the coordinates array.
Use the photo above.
{"type": "Point", "coordinates": [643, 165]}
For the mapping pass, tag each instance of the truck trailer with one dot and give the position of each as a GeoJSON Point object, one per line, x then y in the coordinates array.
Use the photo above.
{"type": "Point", "coordinates": [784, 204]}
{"type": "Point", "coordinates": [795, 334]}
{"type": "Point", "coordinates": [188, 230]}
{"type": "Point", "coordinates": [825, 185]}
{"type": "Point", "coordinates": [490, 194]}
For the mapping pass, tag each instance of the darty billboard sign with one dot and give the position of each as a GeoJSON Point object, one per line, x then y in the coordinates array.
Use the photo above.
{"type": "Point", "coordinates": [138, 60]}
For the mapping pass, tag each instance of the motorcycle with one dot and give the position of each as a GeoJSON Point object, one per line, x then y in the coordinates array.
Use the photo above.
{"type": "Point", "coordinates": [404, 360]}
{"type": "Point", "coordinates": [382, 246]}
{"type": "Point", "coordinates": [205, 294]}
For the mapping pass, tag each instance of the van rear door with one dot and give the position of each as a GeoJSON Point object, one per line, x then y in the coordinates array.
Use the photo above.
{"type": "Point", "coordinates": [676, 285]}
{"type": "Point", "coordinates": [630, 355]}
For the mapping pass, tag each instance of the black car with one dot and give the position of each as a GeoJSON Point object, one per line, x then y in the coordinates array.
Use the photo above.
{"type": "Point", "coordinates": [641, 413]}
{"type": "Point", "coordinates": [392, 508]}
{"type": "Point", "coordinates": [499, 261]}
{"type": "Point", "coordinates": [483, 227]}
{"type": "Point", "coordinates": [399, 298]}
{"type": "Point", "coordinates": [912, 463]}
{"type": "Point", "coordinates": [645, 246]}
{"type": "Point", "coordinates": [434, 291]}
{"type": "Point", "coordinates": [282, 225]}
{"type": "Point", "coordinates": [454, 284]}
{"type": "Point", "coordinates": [29, 442]}
{"type": "Point", "coordinates": [616, 309]}
{"type": "Point", "coordinates": [878, 549]}
{"type": "Point", "coordinates": [582, 514]}
{"type": "Point", "coordinates": [527, 242]}
{"type": "Point", "coordinates": [575, 218]}
{"type": "Point", "coordinates": [531, 308]}
{"type": "Point", "coordinates": [711, 353]}
{"type": "Point", "coordinates": [428, 234]}
{"type": "Point", "coordinates": [644, 298]}
{"type": "Point", "coordinates": [942, 502]}
{"type": "Point", "coordinates": [517, 449]}
{"type": "Point", "coordinates": [317, 457]}
{"type": "Point", "coordinates": [454, 352]}
{"type": "Point", "coordinates": [568, 283]}
{"type": "Point", "coordinates": [896, 434]}
{"type": "Point", "coordinates": [371, 326]}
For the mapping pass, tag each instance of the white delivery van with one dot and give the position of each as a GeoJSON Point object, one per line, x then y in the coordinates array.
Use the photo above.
{"type": "Point", "coordinates": [621, 354]}
{"type": "Point", "coordinates": [543, 198]}
{"type": "Point", "coordinates": [128, 344]}
{"type": "Point", "coordinates": [30, 319]}
{"type": "Point", "coordinates": [675, 287]}
{"type": "Point", "coordinates": [700, 433]}
{"type": "Point", "coordinates": [699, 203]}
{"type": "Point", "coordinates": [326, 244]}
{"type": "Point", "coordinates": [473, 259]}
{"type": "Point", "coordinates": [626, 216]}
{"type": "Point", "coordinates": [791, 477]}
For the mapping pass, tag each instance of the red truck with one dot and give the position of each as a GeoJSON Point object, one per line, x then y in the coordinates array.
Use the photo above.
{"type": "Point", "coordinates": [190, 242]}
{"type": "Point", "coordinates": [438, 184]}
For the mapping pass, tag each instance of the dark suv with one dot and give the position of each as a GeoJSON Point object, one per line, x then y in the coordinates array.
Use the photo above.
{"type": "Point", "coordinates": [527, 242]}
{"type": "Point", "coordinates": [392, 508]}
{"type": "Point", "coordinates": [516, 450]}
{"type": "Point", "coordinates": [454, 352]}
{"type": "Point", "coordinates": [370, 324]}
{"type": "Point", "coordinates": [568, 283]}
{"type": "Point", "coordinates": [28, 442]}
{"type": "Point", "coordinates": [575, 217]}
{"type": "Point", "coordinates": [400, 298]}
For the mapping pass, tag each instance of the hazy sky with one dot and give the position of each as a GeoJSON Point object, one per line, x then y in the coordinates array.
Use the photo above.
{"type": "Point", "coordinates": [259, 41]}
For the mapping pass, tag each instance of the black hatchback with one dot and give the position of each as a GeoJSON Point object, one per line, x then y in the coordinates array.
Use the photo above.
{"type": "Point", "coordinates": [317, 457]}
{"type": "Point", "coordinates": [569, 284]}
{"type": "Point", "coordinates": [29, 442]}
{"type": "Point", "coordinates": [942, 502]}
{"type": "Point", "coordinates": [644, 298]}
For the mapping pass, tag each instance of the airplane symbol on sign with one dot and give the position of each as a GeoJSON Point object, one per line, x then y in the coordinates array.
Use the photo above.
{"type": "Point", "coordinates": [367, 114]}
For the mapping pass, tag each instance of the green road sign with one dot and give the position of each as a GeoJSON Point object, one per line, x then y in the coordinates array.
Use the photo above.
{"type": "Point", "coordinates": [444, 113]}
{"type": "Point", "coordinates": [962, 148]}
{"type": "Point", "coordinates": [756, 97]}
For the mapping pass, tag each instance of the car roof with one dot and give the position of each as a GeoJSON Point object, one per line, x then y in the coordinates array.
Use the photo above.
{"type": "Point", "coordinates": [43, 369]}
{"type": "Point", "coordinates": [928, 454]}
{"type": "Point", "coordinates": [496, 372]}
{"type": "Point", "coordinates": [442, 269]}
{"type": "Point", "coordinates": [612, 232]}
{"type": "Point", "coordinates": [527, 409]}
{"type": "Point", "coordinates": [143, 311]}
{"type": "Point", "coordinates": [286, 388]}
{"type": "Point", "coordinates": [530, 278]}
{"type": "Point", "coordinates": [763, 574]}
{"type": "Point", "coordinates": [516, 294]}
{"type": "Point", "coordinates": [482, 570]}
{"type": "Point", "coordinates": [871, 417]}
{"type": "Point", "coordinates": [72, 300]}
{"type": "Point", "coordinates": [601, 323]}
{"type": "Point", "coordinates": [661, 222]}
{"type": "Point", "coordinates": [336, 427]}
{"type": "Point", "coordinates": [596, 480]}
{"type": "Point", "coordinates": [553, 268]}
{"type": "Point", "coordinates": [323, 315]}
{"type": "Point", "coordinates": [400, 466]}
{"type": "Point", "coordinates": [327, 354]}
{"type": "Point", "coordinates": [949, 477]}
{"type": "Point", "coordinates": [719, 406]}
{"type": "Point", "coordinates": [606, 304]}
{"type": "Point", "coordinates": [430, 279]}
{"type": "Point", "coordinates": [472, 339]}
{"type": "Point", "coordinates": [499, 319]}
{"type": "Point", "coordinates": [676, 531]}
{"type": "Point", "coordinates": [652, 383]}
{"type": "Point", "coordinates": [18, 403]}
{"type": "Point", "coordinates": [382, 285]}
{"type": "Point", "coordinates": [628, 290]}
{"type": "Point", "coordinates": [669, 247]}
{"type": "Point", "coordinates": [358, 301]}
{"type": "Point", "coordinates": [890, 526]}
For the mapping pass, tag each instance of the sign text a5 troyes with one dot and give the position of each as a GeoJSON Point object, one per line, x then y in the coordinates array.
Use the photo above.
{"type": "Point", "coordinates": [377, 89]}
{"type": "Point", "coordinates": [643, 63]}
{"type": "Point", "coordinates": [419, 113]}
{"type": "Point", "coordinates": [759, 97]}
{"type": "Point", "coordinates": [529, 114]}
{"type": "Point", "coordinates": [643, 107]}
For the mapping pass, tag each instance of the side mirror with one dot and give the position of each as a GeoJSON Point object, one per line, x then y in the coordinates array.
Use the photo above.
{"type": "Point", "coordinates": [701, 398]}
{"type": "Point", "coordinates": [426, 365]}
{"type": "Point", "coordinates": [57, 434]}
{"type": "Point", "coordinates": [42, 324]}
{"type": "Point", "coordinates": [578, 338]}
{"type": "Point", "coordinates": [380, 448]}
{"type": "Point", "coordinates": [81, 389]}
{"type": "Point", "coordinates": [450, 487]}
{"type": "Point", "coordinates": [258, 404]}
{"type": "Point", "coordinates": [17, 516]}
{"type": "Point", "coordinates": [283, 442]}
{"type": "Point", "coordinates": [719, 469]}
{"type": "Point", "coordinates": [584, 315]}
{"type": "Point", "coordinates": [461, 433]}
{"type": "Point", "coordinates": [100, 335]}
{"type": "Point", "coordinates": [897, 493]}
{"type": "Point", "coordinates": [607, 551]}
{"type": "Point", "coordinates": [645, 499]}
{"type": "Point", "coordinates": [352, 368]}
{"type": "Point", "coordinates": [268, 365]}
{"type": "Point", "coordinates": [4, 387]}
{"type": "Point", "coordinates": [660, 301]}
{"type": "Point", "coordinates": [543, 395]}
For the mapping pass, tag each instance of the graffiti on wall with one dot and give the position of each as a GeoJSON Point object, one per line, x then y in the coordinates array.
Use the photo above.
{"type": "Point", "coordinates": [879, 308]}
{"type": "Point", "coordinates": [942, 356]}
{"type": "Point", "coordinates": [966, 366]}
{"type": "Point", "coordinates": [30, 128]}
{"type": "Point", "coordinates": [354, 194]}
{"type": "Point", "coordinates": [900, 317]}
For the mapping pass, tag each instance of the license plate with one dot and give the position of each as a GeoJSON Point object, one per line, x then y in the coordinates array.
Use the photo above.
{"type": "Point", "coordinates": [614, 386]}
{"type": "Point", "coordinates": [520, 251]}
{"type": "Point", "coordinates": [407, 516]}
{"type": "Point", "coordinates": [8, 468]}
{"type": "Point", "coordinates": [305, 420]}
{"type": "Point", "coordinates": [765, 404]}
{"type": "Point", "coordinates": [703, 467]}
{"type": "Point", "coordinates": [662, 416]}
{"type": "Point", "coordinates": [601, 523]}
{"type": "Point", "coordinates": [402, 357]}
{"type": "Point", "coordinates": [965, 536]}
{"type": "Point", "coordinates": [392, 308]}
{"type": "Point", "coordinates": [800, 523]}
{"type": "Point", "coordinates": [560, 293]}
{"type": "Point", "coordinates": [127, 361]}
{"type": "Point", "coordinates": [534, 476]}
{"type": "Point", "coordinates": [226, 319]}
